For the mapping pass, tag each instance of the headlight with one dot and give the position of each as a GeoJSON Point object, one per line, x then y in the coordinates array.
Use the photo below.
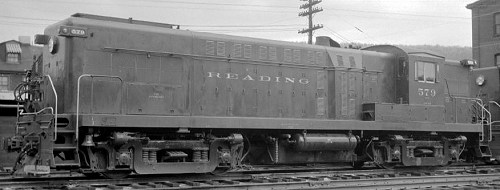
{"type": "Point", "coordinates": [480, 80]}
{"type": "Point", "coordinates": [53, 44]}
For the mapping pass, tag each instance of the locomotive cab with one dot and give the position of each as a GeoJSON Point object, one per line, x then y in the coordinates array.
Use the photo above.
{"type": "Point", "coordinates": [418, 99]}
{"type": "Point", "coordinates": [417, 91]}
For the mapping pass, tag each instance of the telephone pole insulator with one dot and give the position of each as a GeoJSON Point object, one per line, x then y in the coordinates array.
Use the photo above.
{"type": "Point", "coordinates": [309, 11]}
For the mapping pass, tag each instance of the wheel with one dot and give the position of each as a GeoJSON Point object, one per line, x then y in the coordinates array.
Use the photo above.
{"type": "Point", "coordinates": [380, 157]}
{"type": "Point", "coordinates": [386, 165]}
{"type": "Point", "coordinates": [220, 170]}
{"type": "Point", "coordinates": [115, 174]}
{"type": "Point", "coordinates": [357, 164]}
{"type": "Point", "coordinates": [91, 174]}
{"type": "Point", "coordinates": [101, 159]}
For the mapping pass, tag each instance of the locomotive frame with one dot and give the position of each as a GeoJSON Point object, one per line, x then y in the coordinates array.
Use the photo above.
{"type": "Point", "coordinates": [118, 96]}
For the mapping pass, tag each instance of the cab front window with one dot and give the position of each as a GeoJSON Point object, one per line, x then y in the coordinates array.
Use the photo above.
{"type": "Point", "coordinates": [425, 72]}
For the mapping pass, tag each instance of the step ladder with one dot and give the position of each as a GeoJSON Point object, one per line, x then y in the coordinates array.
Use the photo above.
{"type": "Point", "coordinates": [65, 147]}
{"type": "Point", "coordinates": [483, 117]}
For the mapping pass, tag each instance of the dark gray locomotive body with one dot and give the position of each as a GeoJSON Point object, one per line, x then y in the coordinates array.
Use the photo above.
{"type": "Point", "coordinates": [119, 96]}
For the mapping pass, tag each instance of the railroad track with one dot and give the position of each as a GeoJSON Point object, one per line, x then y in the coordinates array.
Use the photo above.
{"type": "Point", "coordinates": [460, 177]}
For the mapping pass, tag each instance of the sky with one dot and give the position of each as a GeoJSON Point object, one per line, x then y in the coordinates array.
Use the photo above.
{"type": "Point", "coordinates": [409, 22]}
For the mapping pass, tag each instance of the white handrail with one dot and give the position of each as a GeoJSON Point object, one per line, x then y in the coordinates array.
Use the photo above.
{"type": "Point", "coordinates": [479, 102]}
{"type": "Point", "coordinates": [55, 115]}
{"type": "Point", "coordinates": [491, 123]}
{"type": "Point", "coordinates": [488, 122]}
{"type": "Point", "coordinates": [495, 103]}
{"type": "Point", "coordinates": [36, 113]}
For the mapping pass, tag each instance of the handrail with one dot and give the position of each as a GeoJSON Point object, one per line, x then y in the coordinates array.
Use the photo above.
{"type": "Point", "coordinates": [476, 100]}
{"type": "Point", "coordinates": [491, 123]}
{"type": "Point", "coordinates": [36, 113]}
{"type": "Point", "coordinates": [78, 96]}
{"type": "Point", "coordinates": [488, 123]}
{"type": "Point", "coordinates": [494, 103]}
{"type": "Point", "coordinates": [483, 109]}
{"type": "Point", "coordinates": [55, 115]}
{"type": "Point", "coordinates": [479, 102]}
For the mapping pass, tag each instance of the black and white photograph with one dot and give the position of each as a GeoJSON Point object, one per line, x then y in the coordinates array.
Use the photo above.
{"type": "Point", "coordinates": [261, 94]}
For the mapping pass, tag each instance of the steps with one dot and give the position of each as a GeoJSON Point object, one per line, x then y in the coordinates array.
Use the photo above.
{"type": "Point", "coordinates": [484, 150]}
{"type": "Point", "coordinates": [65, 148]}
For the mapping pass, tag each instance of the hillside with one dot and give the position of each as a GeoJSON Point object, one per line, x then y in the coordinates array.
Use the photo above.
{"type": "Point", "coordinates": [449, 52]}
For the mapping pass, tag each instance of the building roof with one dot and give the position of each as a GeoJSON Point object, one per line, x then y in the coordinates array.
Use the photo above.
{"type": "Point", "coordinates": [481, 3]}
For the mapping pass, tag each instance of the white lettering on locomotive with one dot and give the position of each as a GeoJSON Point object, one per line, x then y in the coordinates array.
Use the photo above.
{"type": "Point", "coordinates": [265, 78]}
{"type": "Point", "coordinates": [262, 78]}
{"type": "Point", "coordinates": [156, 95]}
{"type": "Point", "coordinates": [248, 77]}
{"type": "Point", "coordinates": [426, 92]}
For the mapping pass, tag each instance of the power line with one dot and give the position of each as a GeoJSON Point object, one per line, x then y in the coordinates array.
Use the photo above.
{"type": "Point", "coordinates": [356, 27]}
{"type": "Point", "coordinates": [219, 4]}
{"type": "Point", "coordinates": [344, 39]}
{"type": "Point", "coordinates": [250, 30]}
{"type": "Point", "coordinates": [240, 26]}
{"type": "Point", "coordinates": [27, 18]}
{"type": "Point", "coordinates": [247, 5]}
{"type": "Point", "coordinates": [401, 14]}
{"type": "Point", "coordinates": [22, 24]}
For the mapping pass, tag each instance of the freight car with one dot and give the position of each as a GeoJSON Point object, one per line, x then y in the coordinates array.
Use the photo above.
{"type": "Point", "coordinates": [115, 96]}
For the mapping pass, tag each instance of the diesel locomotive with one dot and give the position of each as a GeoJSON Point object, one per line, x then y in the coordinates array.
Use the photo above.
{"type": "Point", "coordinates": [115, 96]}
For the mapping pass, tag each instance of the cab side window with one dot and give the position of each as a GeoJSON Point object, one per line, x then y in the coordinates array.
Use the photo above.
{"type": "Point", "coordinates": [425, 72]}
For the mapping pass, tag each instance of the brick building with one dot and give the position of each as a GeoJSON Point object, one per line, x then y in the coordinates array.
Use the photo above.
{"type": "Point", "coordinates": [15, 58]}
{"type": "Point", "coordinates": [486, 32]}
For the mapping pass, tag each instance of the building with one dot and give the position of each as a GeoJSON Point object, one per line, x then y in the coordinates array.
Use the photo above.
{"type": "Point", "coordinates": [15, 58]}
{"type": "Point", "coordinates": [486, 32]}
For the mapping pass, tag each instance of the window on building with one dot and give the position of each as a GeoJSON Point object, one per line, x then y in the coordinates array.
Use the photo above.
{"type": "Point", "coordinates": [13, 51]}
{"type": "Point", "coordinates": [4, 83]}
{"type": "Point", "coordinates": [497, 24]}
{"type": "Point", "coordinates": [497, 59]}
{"type": "Point", "coordinates": [425, 72]}
{"type": "Point", "coordinates": [12, 58]}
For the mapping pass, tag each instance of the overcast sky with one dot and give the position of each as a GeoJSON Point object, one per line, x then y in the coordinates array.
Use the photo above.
{"type": "Point", "coordinates": [443, 22]}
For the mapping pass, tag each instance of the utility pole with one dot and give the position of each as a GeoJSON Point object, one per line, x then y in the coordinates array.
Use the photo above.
{"type": "Point", "coordinates": [309, 11]}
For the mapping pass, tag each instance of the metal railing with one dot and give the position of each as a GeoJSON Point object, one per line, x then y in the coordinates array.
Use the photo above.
{"type": "Point", "coordinates": [485, 116]}
{"type": "Point", "coordinates": [53, 110]}
{"type": "Point", "coordinates": [56, 100]}
{"type": "Point", "coordinates": [493, 122]}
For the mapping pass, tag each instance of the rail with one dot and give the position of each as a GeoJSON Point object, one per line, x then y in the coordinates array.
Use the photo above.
{"type": "Point", "coordinates": [493, 102]}
{"type": "Point", "coordinates": [78, 96]}
{"type": "Point", "coordinates": [464, 177]}
{"type": "Point", "coordinates": [498, 105]}
{"type": "Point", "coordinates": [38, 112]}
{"type": "Point", "coordinates": [56, 100]}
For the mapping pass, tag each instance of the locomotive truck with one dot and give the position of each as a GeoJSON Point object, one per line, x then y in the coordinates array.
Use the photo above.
{"type": "Point", "coordinates": [115, 96]}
